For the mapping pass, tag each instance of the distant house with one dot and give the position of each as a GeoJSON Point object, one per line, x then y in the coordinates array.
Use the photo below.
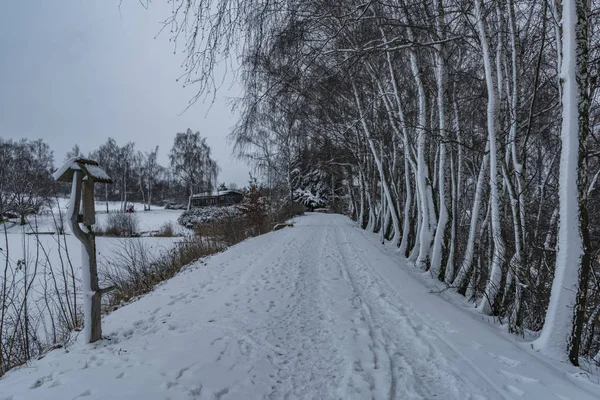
{"type": "Point", "coordinates": [222, 198]}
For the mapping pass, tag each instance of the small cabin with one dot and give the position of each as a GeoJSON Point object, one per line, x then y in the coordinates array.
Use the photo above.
{"type": "Point", "coordinates": [222, 198]}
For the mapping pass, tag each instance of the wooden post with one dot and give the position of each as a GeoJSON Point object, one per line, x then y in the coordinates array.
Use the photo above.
{"type": "Point", "coordinates": [89, 211]}
{"type": "Point", "coordinates": [83, 173]}
{"type": "Point", "coordinates": [91, 290]}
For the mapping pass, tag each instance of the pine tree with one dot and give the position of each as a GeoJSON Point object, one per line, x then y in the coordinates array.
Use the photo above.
{"type": "Point", "coordinates": [253, 208]}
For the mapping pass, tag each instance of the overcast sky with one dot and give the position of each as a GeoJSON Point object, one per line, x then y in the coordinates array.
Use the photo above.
{"type": "Point", "coordinates": [75, 71]}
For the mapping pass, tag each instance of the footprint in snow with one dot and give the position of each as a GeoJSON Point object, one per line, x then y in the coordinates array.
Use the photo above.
{"type": "Point", "coordinates": [84, 394]}
{"type": "Point", "coordinates": [221, 393]}
{"type": "Point", "coordinates": [169, 385]}
{"type": "Point", "coordinates": [40, 381]}
{"type": "Point", "coordinates": [196, 391]}
{"type": "Point", "coordinates": [181, 372]}
{"type": "Point", "coordinates": [509, 362]}
{"type": "Point", "coordinates": [514, 390]}
{"type": "Point", "coordinates": [516, 377]}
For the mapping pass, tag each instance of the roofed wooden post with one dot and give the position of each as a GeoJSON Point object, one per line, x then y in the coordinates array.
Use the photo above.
{"type": "Point", "coordinates": [83, 173]}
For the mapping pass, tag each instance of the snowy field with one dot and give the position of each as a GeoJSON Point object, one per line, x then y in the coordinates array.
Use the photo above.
{"type": "Point", "coordinates": [50, 256]}
{"type": "Point", "coordinates": [317, 311]}
{"type": "Point", "coordinates": [149, 221]}
{"type": "Point", "coordinates": [24, 246]}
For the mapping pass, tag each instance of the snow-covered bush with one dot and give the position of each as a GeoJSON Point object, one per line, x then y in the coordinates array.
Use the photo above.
{"type": "Point", "coordinates": [308, 199]}
{"type": "Point", "coordinates": [195, 216]}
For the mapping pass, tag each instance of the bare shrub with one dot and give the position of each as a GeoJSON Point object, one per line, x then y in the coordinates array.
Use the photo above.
{"type": "Point", "coordinates": [120, 225]}
{"type": "Point", "coordinates": [287, 212]}
{"type": "Point", "coordinates": [227, 230]}
{"type": "Point", "coordinates": [38, 297]}
{"type": "Point", "coordinates": [166, 230]}
{"type": "Point", "coordinates": [133, 270]}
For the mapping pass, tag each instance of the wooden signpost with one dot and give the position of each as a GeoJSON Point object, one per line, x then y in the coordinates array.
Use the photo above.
{"type": "Point", "coordinates": [83, 174]}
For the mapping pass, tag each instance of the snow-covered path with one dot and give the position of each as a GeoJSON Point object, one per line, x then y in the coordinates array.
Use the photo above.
{"type": "Point", "coordinates": [317, 311]}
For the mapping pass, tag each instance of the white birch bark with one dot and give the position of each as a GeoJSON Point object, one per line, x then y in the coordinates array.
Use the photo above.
{"type": "Point", "coordinates": [467, 262]}
{"type": "Point", "coordinates": [378, 162]}
{"type": "Point", "coordinates": [493, 283]}
{"type": "Point", "coordinates": [402, 249]}
{"type": "Point", "coordinates": [425, 193]}
{"type": "Point", "coordinates": [556, 333]}
{"type": "Point", "coordinates": [440, 232]}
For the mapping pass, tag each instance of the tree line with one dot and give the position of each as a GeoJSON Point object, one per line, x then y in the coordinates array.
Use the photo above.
{"type": "Point", "coordinates": [463, 131]}
{"type": "Point", "coordinates": [26, 182]}
{"type": "Point", "coordinates": [138, 176]}
{"type": "Point", "coordinates": [27, 186]}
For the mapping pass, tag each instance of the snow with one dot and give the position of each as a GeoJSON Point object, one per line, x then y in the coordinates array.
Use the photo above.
{"type": "Point", "coordinates": [321, 310]}
{"type": "Point", "coordinates": [97, 173]}
{"type": "Point", "coordinates": [307, 198]}
{"type": "Point", "coordinates": [105, 246]}
{"type": "Point", "coordinates": [78, 164]}
{"type": "Point", "coordinates": [201, 215]}
{"type": "Point", "coordinates": [149, 221]}
{"type": "Point", "coordinates": [59, 250]}
{"type": "Point", "coordinates": [70, 164]}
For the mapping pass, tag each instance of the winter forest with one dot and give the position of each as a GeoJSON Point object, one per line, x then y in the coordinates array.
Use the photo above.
{"type": "Point", "coordinates": [464, 132]}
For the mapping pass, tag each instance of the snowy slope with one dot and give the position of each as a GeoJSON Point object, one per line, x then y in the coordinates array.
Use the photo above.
{"type": "Point", "coordinates": [317, 311]}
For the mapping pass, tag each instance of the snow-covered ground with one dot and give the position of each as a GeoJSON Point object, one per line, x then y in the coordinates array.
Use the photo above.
{"type": "Point", "coordinates": [317, 311]}
{"type": "Point", "coordinates": [24, 246]}
{"type": "Point", "coordinates": [149, 221]}
{"type": "Point", "coordinates": [105, 246]}
{"type": "Point", "coordinates": [50, 255]}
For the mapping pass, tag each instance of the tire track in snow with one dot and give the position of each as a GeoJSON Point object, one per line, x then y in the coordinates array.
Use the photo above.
{"type": "Point", "coordinates": [364, 341]}
{"type": "Point", "coordinates": [398, 367]}
{"type": "Point", "coordinates": [392, 305]}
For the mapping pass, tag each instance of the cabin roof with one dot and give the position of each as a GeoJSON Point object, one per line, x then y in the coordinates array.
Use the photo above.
{"type": "Point", "coordinates": [90, 168]}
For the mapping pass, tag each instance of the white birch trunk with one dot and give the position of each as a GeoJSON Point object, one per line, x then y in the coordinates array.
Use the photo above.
{"type": "Point", "coordinates": [556, 334]}
{"type": "Point", "coordinates": [361, 188]}
{"type": "Point", "coordinates": [493, 283]}
{"type": "Point", "coordinates": [407, 184]}
{"type": "Point", "coordinates": [449, 270]}
{"type": "Point", "coordinates": [467, 262]}
{"type": "Point", "coordinates": [440, 232]}
{"type": "Point", "coordinates": [379, 164]}
{"type": "Point", "coordinates": [456, 188]}
{"type": "Point", "coordinates": [425, 195]}
{"type": "Point", "coordinates": [414, 253]}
